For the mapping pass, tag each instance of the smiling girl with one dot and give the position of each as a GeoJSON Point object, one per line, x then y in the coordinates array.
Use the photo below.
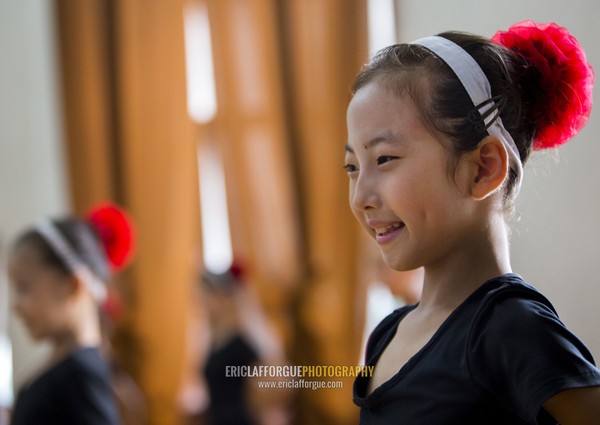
{"type": "Point", "coordinates": [439, 130]}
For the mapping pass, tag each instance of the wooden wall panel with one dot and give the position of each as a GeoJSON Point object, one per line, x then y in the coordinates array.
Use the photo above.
{"type": "Point", "coordinates": [86, 80]}
{"type": "Point", "coordinates": [158, 155]}
{"type": "Point", "coordinates": [283, 69]}
{"type": "Point", "coordinates": [251, 131]}
{"type": "Point", "coordinates": [325, 45]}
{"type": "Point", "coordinates": [129, 139]}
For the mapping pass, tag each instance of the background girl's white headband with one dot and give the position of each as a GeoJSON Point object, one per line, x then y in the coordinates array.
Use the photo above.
{"type": "Point", "coordinates": [477, 86]}
{"type": "Point", "coordinates": [62, 248]}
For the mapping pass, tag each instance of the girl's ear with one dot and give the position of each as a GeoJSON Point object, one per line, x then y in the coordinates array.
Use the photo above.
{"type": "Point", "coordinates": [490, 161]}
{"type": "Point", "coordinates": [75, 285]}
{"type": "Point", "coordinates": [67, 287]}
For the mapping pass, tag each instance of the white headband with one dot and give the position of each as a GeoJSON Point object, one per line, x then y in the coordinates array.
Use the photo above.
{"type": "Point", "coordinates": [75, 265]}
{"type": "Point", "coordinates": [478, 88]}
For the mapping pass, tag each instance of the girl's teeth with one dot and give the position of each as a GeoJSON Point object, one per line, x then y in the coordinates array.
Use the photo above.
{"type": "Point", "coordinates": [383, 230]}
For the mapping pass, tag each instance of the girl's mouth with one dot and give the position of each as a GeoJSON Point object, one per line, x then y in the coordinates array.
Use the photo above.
{"type": "Point", "coordinates": [386, 234]}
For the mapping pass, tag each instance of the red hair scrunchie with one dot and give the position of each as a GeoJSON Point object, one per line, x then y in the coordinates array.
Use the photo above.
{"type": "Point", "coordinates": [567, 78]}
{"type": "Point", "coordinates": [115, 229]}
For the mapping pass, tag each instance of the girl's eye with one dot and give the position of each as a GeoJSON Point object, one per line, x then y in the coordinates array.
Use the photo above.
{"type": "Point", "coordinates": [350, 168]}
{"type": "Point", "coordinates": [385, 158]}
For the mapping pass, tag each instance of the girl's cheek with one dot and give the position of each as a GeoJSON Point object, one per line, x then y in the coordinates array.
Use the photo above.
{"type": "Point", "coordinates": [20, 307]}
{"type": "Point", "coordinates": [27, 303]}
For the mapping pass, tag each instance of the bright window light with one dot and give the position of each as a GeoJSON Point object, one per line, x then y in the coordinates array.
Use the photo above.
{"type": "Point", "coordinates": [6, 393]}
{"type": "Point", "coordinates": [382, 24]}
{"type": "Point", "coordinates": [6, 363]}
{"type": "Point", "coordinates": [216, 235]}
{"type": "Point", "coordinates": [201, 91]}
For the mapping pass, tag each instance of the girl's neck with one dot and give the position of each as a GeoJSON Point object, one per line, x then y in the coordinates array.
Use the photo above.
{"type": "Point", "coordinates": [223, 328]}
{"type": "Point", "coordinates": [83, 332]}
{"type": "Point", "coordinates": [448, 283]}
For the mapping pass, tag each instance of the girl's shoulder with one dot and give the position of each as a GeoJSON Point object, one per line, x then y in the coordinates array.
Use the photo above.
{"type": "Point", "coordinates": [511, 285]}
{"type": "Point", "coordinates": [516, 321]}
{"type": "Point", "coordinates": [82, 366]}
{"type": "Point", "coordinates": [509, 299]}
{"type": "Point", "coordinates": [88, 359]}
{"type": "Point", "coordinates": [519, 349]}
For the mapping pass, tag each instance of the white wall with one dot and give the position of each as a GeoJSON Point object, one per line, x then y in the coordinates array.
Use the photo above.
{"type": "Point", "coordinates": [32, 183]}
{"type": "Point", "coordinates": [556, 244]}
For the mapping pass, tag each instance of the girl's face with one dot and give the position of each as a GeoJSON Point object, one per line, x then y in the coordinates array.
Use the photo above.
{"type": "Point", "coordinates": [401, 190]}
{"type": "Point", "coordinates": [218, 303]}
{"type": "Point", "coordinates": [40, 293]}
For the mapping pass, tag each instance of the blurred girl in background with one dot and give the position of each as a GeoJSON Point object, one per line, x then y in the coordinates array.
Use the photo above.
{"type": "Point", "coordinates": [233, 332]}
{"type": "Point", "coordinates": [59, 270]}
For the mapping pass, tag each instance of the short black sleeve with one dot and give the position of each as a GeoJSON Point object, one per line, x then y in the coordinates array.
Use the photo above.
{"type": "Point", "coordinates": [522, 354]}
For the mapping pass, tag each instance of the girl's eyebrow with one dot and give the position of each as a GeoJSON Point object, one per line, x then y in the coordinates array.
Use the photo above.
{"type": "Point", "coordinates": [387, 138]}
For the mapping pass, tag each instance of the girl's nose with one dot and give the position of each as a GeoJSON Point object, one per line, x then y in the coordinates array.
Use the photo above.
{"type": "Point", "coordinates": [364, 195]}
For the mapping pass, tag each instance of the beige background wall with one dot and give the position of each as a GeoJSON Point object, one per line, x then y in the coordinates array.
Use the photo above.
{"type": "Point", "coordinates": [32, 182]}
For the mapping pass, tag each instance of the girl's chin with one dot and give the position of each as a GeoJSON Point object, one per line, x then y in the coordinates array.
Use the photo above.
{"type": "Point", "coordinates": [35, 333]}
{"type": "Point", "coordinates": [36, 336]}
{"type": "Point", "coordinates": [398, 264]}
{"type": "Point", "coordinates": [393, 264]}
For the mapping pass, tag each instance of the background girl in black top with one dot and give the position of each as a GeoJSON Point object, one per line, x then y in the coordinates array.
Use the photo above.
{"type": "Point", "coordinates": [58, 271]}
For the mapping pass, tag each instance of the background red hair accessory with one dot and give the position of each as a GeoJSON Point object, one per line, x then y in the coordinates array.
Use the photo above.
{"type": "Point", "coordinates": [237, 270]}
{"type": "Point", "coordinates": [115, 229]}
{"type": "Point", "coordinates": [113, 306]}
{"type": "Point", "coordinates": [567, 78]}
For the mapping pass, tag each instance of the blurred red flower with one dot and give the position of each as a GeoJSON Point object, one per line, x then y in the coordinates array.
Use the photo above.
{"type": "Point", "coordinates": [115, 229]}
{"type": "Point", "coordinates": [567, 78]}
